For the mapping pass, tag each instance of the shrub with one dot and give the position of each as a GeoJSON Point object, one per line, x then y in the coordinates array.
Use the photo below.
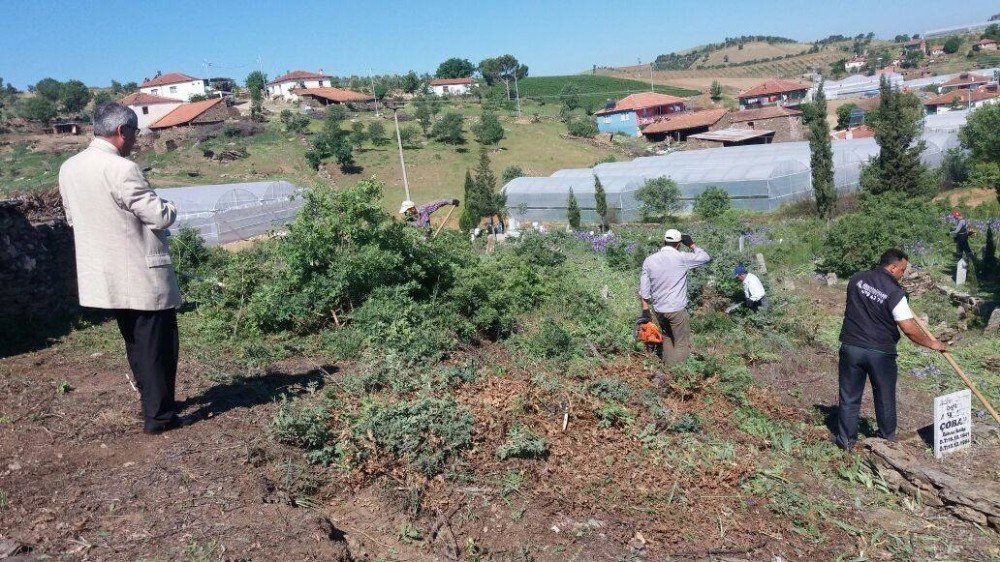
{"type": "Point", "coordinates": [301, 425]}
{"type": "Point", "coordinates": [376, 133]}
{"type": "Point", "coordinates": [613, 414]}
{"type": "Point", "coordinates": [582, 127]}
{"type": "Point", "coordinates": [856, 241]}
{"type": "Point", "coordinates": [449, 129]}
{"type": "Point", "coordinates": [686, 423]}
{"type": "Point", "coordinates": [522, 443]}
{"type": "Point", "coordinates": [422, 435]}
{"type": "Point", "coordinates": [188, 254]}
{"type": "Point", "coordinates": [552, 341]}
{"type": "Point", "coordinates": [712, 202]}
{"type": "Point", "coordinates": [609, 389]}
{"type": "Point", "coordinates": [293, 121]}
{"type": "Point", "coordinates": [659, 197]}
{"type": "Point", "coordinates": [509, 173]}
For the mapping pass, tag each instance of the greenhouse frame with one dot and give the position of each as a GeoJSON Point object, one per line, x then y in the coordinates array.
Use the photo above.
{"type": "Point", "coordinates": [231, 212]}
{"type": "Point", "coordinates": [757, 177]}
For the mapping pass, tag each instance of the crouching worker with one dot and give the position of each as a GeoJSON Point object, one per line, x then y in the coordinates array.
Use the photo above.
{"type": "Point", "coordinates": [420, 217]}
{"type": "Point", "coordinates": [754, 296]}
{"type": "Point", "coordinates": [123, 258]}
{"type": "Point", "coordinates": [876, 311]}
{"type": "Point", "coordinates": [663, 288]}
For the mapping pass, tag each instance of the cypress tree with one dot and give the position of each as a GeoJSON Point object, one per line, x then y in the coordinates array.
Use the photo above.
{"type": "Point", "coordinates": [821, 156]}
{"type": "Point", "coordinates": [472, 211]}
{"type": "Point", "coordinates": [990, 267]}
{"type": "Point", "coordinates": [485, 185]}
{"type": "Point", "coordinates": [601, 202]}
{"type": "Point", "coordinates": [897, 122]}
{"type": "Point", "coordinates": [572, 210]}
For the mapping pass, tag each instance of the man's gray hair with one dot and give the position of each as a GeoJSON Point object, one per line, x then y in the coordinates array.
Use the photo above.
{"type": "Point", "coordinates": [109, 116]}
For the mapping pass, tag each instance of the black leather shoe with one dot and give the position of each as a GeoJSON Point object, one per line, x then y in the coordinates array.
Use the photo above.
{"type": "Point", "coordinates": [176, 423]}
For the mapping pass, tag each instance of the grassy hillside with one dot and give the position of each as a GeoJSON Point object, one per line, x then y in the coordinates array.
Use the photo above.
{"type": "Point", "coordinates": [594, 89]}
{"type": "Point", "coordinates": [756, 50]}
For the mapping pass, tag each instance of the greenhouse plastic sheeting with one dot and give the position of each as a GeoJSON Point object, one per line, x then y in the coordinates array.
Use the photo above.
{"type": "Point", "coordinates": [760, 177]}
{"type": "Point", "coordinates": [237, 211]}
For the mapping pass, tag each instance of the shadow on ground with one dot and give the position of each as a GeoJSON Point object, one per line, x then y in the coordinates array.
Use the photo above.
{"type": "Point", "coordinates": [250, 391]}
{"type": "Point", "coordinates": [830, 413]}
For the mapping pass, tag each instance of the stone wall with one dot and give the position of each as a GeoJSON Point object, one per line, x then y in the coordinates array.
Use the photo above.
{"type": "Point", "coordinates": [786, 128]}
{"type": "Point", "coordinates": [37, 262]}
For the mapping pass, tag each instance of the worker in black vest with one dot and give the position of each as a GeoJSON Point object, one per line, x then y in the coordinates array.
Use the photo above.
{"type": "Point", "coordinates": [875, 313]}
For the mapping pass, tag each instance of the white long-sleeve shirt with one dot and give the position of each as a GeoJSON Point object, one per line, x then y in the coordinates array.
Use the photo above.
{"type": "Point", "coordinates": [664, 277]}
{"type": "Point", "coordinates": [753, 289]}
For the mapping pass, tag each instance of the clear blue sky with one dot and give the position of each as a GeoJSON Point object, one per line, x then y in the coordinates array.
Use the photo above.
{"type": "Point", "coordinates": [100, 40]}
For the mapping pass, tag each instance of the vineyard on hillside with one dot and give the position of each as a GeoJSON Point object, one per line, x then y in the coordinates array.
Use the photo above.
{"type": "Point", "coordinates": [593, 90]}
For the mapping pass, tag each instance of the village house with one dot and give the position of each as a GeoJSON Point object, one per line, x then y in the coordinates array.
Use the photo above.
{"type": "Point", "coordinates": [451, 86]}
{"type": "Point", "coordinates": [985, 45]}
{"type": "Point", "coordinates": [963, 99]}
{"type": "Point", "coordinates": [330, 96]}
{"type": "Point", "coordinates": [784, 123]}
{"type": "Point", "coordinates": [678, 126]}
{"type": "Point", "coordinates": [196, 113]}
{"type": "Point", "coordinates": [149, 108]}
{"type": "Point", "coordinates": [963, 81]}
{"type": "Point", "coordinates": [775, 92]}
{"type": "Point", "coordinates": [283, 85]}
{"type": "Point", "coordinates": [68, 127]}
{"type": "Point", "coordinates": [630, 113]}
{"type": "Point", "coordinates": [174, 85]}
{"type": "Point", "coordinates": [855, 64]}
{"type": "Point", "coordinates": [732, 136]}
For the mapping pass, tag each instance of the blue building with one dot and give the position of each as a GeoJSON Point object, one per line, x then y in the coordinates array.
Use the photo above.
{"type": "Point", "coordinates": [630, 114]}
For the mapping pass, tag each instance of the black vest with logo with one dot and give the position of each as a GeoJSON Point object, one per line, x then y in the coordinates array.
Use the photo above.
{"type": "Point", "coordinates": [868, 322]}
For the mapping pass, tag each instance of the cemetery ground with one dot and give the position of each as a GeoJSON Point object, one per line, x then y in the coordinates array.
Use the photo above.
{"type": "Point", "coordinates": [560, 440]}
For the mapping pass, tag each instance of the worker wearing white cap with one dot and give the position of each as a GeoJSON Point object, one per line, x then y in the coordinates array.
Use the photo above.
{"type": "Point", "coordinates": [663, 288]}
{"type": "Point", "coordinates": [421, 216]}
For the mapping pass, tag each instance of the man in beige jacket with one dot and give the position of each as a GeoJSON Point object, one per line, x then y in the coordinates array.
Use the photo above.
{"type": "Point", "coordinates": [123, 258]}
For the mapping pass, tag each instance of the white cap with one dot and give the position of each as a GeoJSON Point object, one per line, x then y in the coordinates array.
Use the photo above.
{"type": "Point", "coordinates": [672, 235]}
{"type": "Point", "coordinates": [407, 205]}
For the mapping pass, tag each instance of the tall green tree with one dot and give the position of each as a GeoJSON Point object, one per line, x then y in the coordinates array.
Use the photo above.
{"type": "Point", "coordinates": [449, 129]}
{"type": "Point", "coordinates": [844, 115]}
{"type": "Point", "coordinates": [659, 198]}
{"type": "Point", "coordinates": [572, 210]}
{"type": "Point", "coordinates": [502, 69]}
{"type": "Point", "coordinates": [423, 114]}
{"type": "Point", "coordinates": [486, 184]}
{"type": "Point", "coordinates": [411, 82]}
{"type": "Point", "coordinates": [74, 96]}
{"type": "Point", "coordinates": [331, 141]}
{"type": "Point", "coordinates": [715, 91]}
{"type": "Point", "coordinates": [376, 132]}
{"type": "Point", "coordinates": [472, 211]}
{"type": "Point", "coordinates": [455, 68]}
{"type": "Point", "coordinates": [37, 108]}
{"type": "Point", "coordinates": [601, 202]}
{"type": "Point", "coordinates": [990, 266]}
{"type": "Point", "coordinates": [256, 82]}
{"type": "Point", "coordinates": [49, 88]}
{"type": "Point", "coordinates": [981, 136]}
{"type": "Point", "coordinates": [488, 130]}
{"type": "Point", "coordinates": [897, 121]}
{"type": "Point", "coordinates": [821, 156]}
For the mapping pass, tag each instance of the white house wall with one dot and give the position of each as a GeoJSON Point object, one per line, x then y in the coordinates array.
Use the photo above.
{"type": "Point", "coordinates": [180, 91]}
{"type": "Point", "coordinates": [151, 113]}
{"type": "Point", "coordinates": [451, 89]}
{"type": "Point", "coordinates": [284, 89]}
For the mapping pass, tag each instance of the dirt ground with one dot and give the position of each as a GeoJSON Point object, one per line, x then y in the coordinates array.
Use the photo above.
{"type": "Point", "coordinates": [78, 481]}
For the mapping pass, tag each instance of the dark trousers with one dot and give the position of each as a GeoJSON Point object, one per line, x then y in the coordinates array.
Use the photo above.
{"type": "Point", "coordinates": [152, 346]}
{"type": "Point", "coordinates": [759, 305]}
{"type": "Point", "coordinates": [963, 250]}
{"type": "Point", "coordinates": [856, 364]}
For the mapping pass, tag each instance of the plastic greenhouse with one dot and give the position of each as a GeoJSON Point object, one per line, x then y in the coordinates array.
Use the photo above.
{"type": "Point", "coordinates": [237, 211]}
{"type": "Point", "coordinates": [760, 177]}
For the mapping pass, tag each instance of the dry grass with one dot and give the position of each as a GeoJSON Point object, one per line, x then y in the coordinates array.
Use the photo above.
{"type": "Point", "coordinates": [754, 51]}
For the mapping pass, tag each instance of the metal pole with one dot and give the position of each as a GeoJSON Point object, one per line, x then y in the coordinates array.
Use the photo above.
{"type": "Point", "coordinates": [402, 163]}
{"type": "Point", "coordinates": [650, 77]}
{"type": "Point", "coordinates": [372, 80]}
{"type": "Point", "coordinates": [517, 93]}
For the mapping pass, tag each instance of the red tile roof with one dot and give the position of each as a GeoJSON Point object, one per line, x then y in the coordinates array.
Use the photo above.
{"type": "Point", "coordinates": [769, 87]}
{"type": "Point", "coordinates": [641, 101]}
{"type": "Point", "coordinates": [185, 113]}
{"type": "Point", "coordinates": [452, 81]}
{"type": "Point", "coordinates": [763, 113]}
{"type": "Point", "coordinates": [963, 97]}
{"type": "Point", "coordinates": [337, 95]}
{"type": "Point", "coordinates": [965, 79]}
{"type": "Point", "coordinates": [685, 120]}
{"type": "Point", "coordinates": [299, 75]}
{"type": "Point", "coordinates": [139, 98]}
{"type": "Point", "coordinates": [170, 78]}
{"type": "Point", "coordinates": [859, 132]}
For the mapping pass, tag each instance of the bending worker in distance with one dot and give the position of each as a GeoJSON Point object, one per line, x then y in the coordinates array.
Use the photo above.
{"type": "Point", "coordinates": [663, 286]}
{"type": "Point", "coordinates": [420, 217]}
{"type": "Point", "coordinates": [123, 258]}
{"type": "Point", "coordinates": [755, 298]}
{"type": "Point", "coordinates": [875, 312]}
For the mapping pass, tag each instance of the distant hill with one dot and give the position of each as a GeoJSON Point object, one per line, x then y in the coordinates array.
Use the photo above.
{"type": "Point", "coordinates": [683, 60]}
{"type": "Point", "coordinates": [594, 90]}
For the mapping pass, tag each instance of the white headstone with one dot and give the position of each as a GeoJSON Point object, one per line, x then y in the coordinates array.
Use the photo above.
{"type": "Point", "coordinates": [760, 262]}
{"type": "Point", "coordinates": [952, 422]}
{"type": "Point", "coordinates": [961, 272]}
{"type": "Point", "coordinates": [741, 242]}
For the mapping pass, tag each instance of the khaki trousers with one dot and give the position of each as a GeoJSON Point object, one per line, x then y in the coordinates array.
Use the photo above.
{"type": "Point", "coordinates": [676, 336]}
